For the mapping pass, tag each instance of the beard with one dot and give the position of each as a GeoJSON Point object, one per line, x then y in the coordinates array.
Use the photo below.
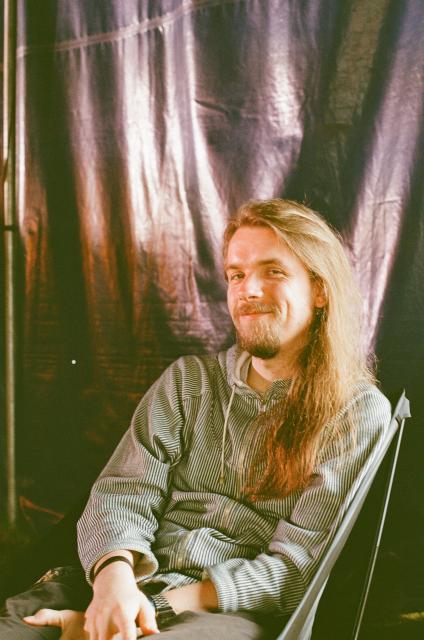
{"type": "Point", "coordinates": [263, 339]}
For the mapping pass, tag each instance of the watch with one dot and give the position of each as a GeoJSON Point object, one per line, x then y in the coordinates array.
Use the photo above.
{"type": "Point", "coordinates": [164, 612]}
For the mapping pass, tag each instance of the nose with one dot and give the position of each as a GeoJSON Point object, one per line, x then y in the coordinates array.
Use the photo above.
{"type": "Point", "coordinates": [250, 288]}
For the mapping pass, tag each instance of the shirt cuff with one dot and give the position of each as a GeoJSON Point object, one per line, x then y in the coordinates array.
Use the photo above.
{"type": "Point", "coordinates": [224, 586]}
{"type": "Point", "coordinates": [145, 566]}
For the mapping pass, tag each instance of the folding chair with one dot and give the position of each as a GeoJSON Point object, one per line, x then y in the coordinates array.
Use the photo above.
{"type": "Point", "coordinates": [300, 624]}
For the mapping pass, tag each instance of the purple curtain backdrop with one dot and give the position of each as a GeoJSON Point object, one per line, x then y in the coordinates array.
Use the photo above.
{"type": "Point", "coordinates": [141, 127]}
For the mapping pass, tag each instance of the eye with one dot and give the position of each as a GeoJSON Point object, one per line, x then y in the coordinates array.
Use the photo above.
{"type": "Point", "coordinates": [235, 276]}
{"type": "Point", "coordinates": [276, 273]}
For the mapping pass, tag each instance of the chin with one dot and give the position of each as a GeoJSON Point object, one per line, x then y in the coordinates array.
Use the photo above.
{"type": "Point", "coordinates": [264, 350]}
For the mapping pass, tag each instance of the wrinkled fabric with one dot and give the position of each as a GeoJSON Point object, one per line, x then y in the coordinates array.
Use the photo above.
{"type": "Point", "coordinates": [141, 126]}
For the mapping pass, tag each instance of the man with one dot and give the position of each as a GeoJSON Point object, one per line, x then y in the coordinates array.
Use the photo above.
{"type": "Point", "coordinates": [216, 507]}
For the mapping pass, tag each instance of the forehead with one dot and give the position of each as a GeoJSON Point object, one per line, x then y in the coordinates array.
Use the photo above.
{"type": "Point", "coordinates": [254, 245]}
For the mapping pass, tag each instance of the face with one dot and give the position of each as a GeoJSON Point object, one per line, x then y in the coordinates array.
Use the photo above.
{"type": "Point", "coordinates": [271, 296]}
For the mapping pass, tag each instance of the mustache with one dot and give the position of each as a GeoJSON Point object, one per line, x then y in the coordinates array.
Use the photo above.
{"type": "Point", "coordinates": [247, 308]}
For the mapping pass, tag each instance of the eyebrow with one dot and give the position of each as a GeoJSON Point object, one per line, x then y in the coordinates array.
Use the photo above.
{"type": "Point", "coordinates": [260, 263]}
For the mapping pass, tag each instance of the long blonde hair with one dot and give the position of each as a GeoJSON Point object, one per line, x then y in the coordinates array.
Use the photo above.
{"type": "Point", "coordinates": [332, 363]}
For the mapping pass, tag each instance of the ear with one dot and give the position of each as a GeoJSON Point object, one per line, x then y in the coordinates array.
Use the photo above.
{"type": "Point", "coordinates": [320, 295]}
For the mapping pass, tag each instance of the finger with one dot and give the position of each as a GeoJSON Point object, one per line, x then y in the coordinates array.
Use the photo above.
{"type": "Point", "coordinates": [89, 630]}
{"type": "Point", "coordinates": [147, 622]}
{"type": "Point", "coordinates": [72, 634]}
{"type": "Point", "coordinates": [101, 630]}
{"type": "Point", "coordinates": [127, 631]}
{"type": "Point", "coordinates": [90, 624]}
{"type": "Point", "coordinates": [45, 617]}
{"type": "Point", "coordinates": [94, 633]}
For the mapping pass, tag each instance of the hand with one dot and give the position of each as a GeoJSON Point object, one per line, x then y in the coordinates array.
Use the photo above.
{"type": "Point", "coordinates": [117, 605]}
{"type": "Point", "coordinates": [71, 622]}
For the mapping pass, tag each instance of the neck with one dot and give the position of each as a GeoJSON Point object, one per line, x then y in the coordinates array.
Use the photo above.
{"type": "Point", "coordinates": [262, 373]}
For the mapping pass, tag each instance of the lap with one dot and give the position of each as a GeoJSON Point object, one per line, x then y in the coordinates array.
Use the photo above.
{"type": "Point", "coordinates": [220, 626]}
{"type": "Point", "coordinates": [66, 588]}
{"type": "Point", "coordinates": [61, 588]}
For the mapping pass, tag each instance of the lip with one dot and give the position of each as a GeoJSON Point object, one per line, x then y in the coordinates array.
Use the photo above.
{"type": "Point", "coordinates": [254, 313]}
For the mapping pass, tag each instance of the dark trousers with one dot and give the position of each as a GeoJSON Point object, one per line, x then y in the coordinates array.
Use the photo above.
{"type": "Point", "coordinates": [66, 588]}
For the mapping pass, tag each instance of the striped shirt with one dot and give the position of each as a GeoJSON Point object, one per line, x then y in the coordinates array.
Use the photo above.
{"type": "Point", "coordinates": [161, 493]}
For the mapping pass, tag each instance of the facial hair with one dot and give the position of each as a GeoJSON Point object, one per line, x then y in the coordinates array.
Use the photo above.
{"type": "Point", "coordinates": [263, 339]}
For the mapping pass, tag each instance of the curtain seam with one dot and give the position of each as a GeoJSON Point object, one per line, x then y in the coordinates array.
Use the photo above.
{"type": "Point", "coordinates": [129, 31]}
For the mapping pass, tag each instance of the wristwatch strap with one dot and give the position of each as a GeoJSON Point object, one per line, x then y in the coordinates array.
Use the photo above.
{"type": "Point", "coordinates": [164, 612]}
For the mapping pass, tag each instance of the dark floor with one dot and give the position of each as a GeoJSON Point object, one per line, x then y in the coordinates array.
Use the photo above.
{"type": "Point", "coordinates": [395, 605]}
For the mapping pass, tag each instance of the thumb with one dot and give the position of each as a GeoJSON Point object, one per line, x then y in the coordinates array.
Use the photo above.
{"type": "Point", "coordinates": [48, 617]}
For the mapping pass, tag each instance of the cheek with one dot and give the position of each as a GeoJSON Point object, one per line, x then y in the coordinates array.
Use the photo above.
{"type": "Point", "coordinates": [298, 301]}
{"type": "Point", "coordinates": [230, 300]}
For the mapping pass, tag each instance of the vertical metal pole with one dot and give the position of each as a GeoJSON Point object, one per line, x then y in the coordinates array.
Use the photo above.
{"type": "Point", "coordinates": [10, 231]}
{"type": "Point", "coordinates": [379, 533]}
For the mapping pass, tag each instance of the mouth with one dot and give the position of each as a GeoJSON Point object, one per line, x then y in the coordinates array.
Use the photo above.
{"type": "Point", "coordinates": [253, 311]}
{"type": "Point", "coordinates": [248, 317]}
{"type": "Point", "coordinates": [252, 314]}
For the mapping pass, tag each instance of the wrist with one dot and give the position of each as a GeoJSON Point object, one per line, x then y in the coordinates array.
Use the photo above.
{"type": "Point", "coordinates": [112, 566]}
{"type": "Point", "coordinates": [198, 596]}
{"type": "Point", "coordinates": [127, 556]}
{"type": "Point", "coordinates": [164, 612]}
{"type": "Point", "coordinates": [116, 579]}
{"type": "Point", "coordinates": [116, 552]}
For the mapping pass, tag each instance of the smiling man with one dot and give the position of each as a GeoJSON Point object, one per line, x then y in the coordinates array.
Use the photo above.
{"type": "Point", "coordinates": [214, 511]}
{"type": "Point", "coordinates": [271, 297]}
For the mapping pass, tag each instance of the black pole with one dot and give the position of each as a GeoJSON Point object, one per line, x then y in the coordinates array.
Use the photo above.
{"type": "Point", "coordinates": [10, 232]}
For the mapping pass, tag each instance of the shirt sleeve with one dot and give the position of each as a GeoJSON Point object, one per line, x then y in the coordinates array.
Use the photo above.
{"type": "Point", "coordinates": [131, 492]}
{"type": "Point", "coordinates": [277, 579]}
